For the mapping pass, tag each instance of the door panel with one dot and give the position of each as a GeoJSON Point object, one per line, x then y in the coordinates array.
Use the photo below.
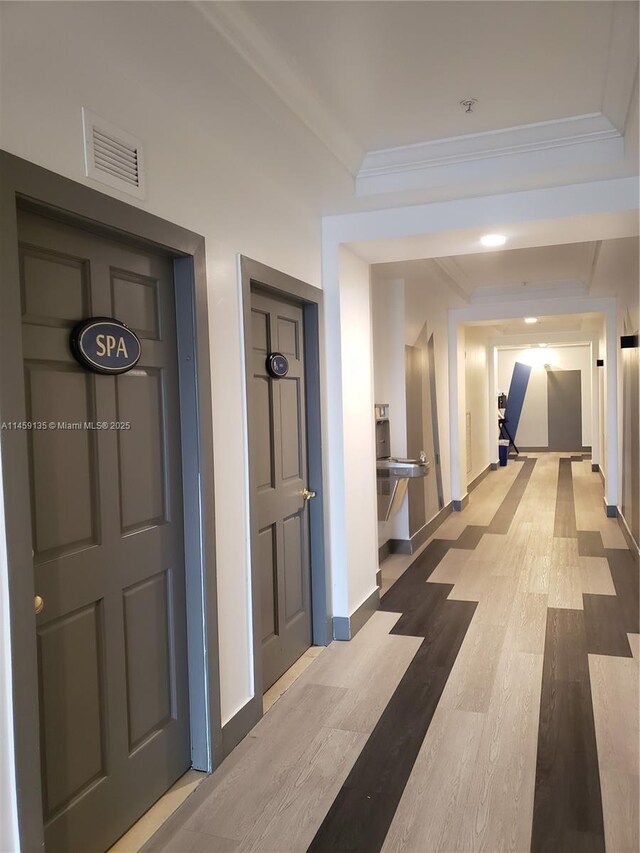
{"type": "Point", "coordinates": [107, 537]}
{"type": "Point", "coordinates": [72, 701]}
{"type": "Point", "coordinates": [278, 453]}
{"type": "Point", "coordinates": [290, 429]}
{"type": "Point", "coordinates": [64, 520]}
{"type": "Point", "coordinates": [268, 590]}
{"type": "Point", "coordinates": [55, 287]}
{"type": "Point", "coordinates": [564, 400]}
{"type": "Point", "coordinates": [294, 542]}
{"type": "Point", "coordinates": [148, 661]}
{"type": "Point", "coordinates": [141, 451]}
{"type": "Point", "coordinates": [136, 298]}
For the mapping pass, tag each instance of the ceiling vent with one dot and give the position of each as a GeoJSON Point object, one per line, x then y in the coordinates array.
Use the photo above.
{"type": "Point", "coordinates": [112, 156]}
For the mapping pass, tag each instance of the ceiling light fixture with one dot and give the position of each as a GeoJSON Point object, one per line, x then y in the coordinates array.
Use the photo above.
{"type": "Point", "coordinates": [492, 240]}
{"type": "Point", "coordinates": [543, 345]}
{"type": "Point", "coordinates": [531, 320]}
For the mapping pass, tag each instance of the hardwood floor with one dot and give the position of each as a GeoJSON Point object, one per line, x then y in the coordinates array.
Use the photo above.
{"type": "Point", "coordinates": [490, 705]}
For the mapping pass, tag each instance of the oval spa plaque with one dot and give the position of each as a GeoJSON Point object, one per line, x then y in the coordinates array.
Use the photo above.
{"type": "Point", "coordinates": [105, 345]}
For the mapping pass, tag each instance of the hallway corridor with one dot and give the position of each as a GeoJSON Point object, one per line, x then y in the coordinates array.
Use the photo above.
{"type": "Point", "coordinates": [490, 705]}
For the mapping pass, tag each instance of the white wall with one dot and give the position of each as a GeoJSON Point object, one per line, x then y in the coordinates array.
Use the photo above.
{"type": "Point", "coordinates": [533, 427]}
{"type": "Point", "coordinates": [400, 310]}
{"type": "Point", "coordinates": [428, 302]}
{"type": "Point", "coordinates": [224, 158]}
{"type": "Point", "coordinates": [476, 371]}
{"type": "Point", "coordinates": [388, 325]}
{"type": "Point", "coordinates": [359, 428]}
{"type": "Point", "coordinates": [350, 431]}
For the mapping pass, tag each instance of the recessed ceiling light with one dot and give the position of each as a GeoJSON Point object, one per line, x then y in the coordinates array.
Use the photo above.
{"type": "Point", "coordinates": [543, 345]}
{"type": "Point", "coordinates": [531, 320]}
{"type": "Point", "coordinates": [492, 240]}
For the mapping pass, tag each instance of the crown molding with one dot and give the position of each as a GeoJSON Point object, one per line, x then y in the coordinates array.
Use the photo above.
{"type": "Point", "coordinates": [520, 292]}
{"type": "Point", "coordinates": [505, 151]}
{"type": "Point", "coordinates": [591, 261]}
{"type": "Point", "coordinates": [454, 277]}
{"type": "Point", "coordinates": [246, 37]}
{"type": "Point", "coordinates": [622, 66]}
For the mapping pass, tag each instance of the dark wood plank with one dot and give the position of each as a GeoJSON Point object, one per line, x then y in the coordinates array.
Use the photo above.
{"type": "Point", "coordinates": [469, 538]}
{"type": "Point", "coordinates": [605, 626]}
{"type": "Point", "coordinates": [501, 521]}
{"type": "Point", "coordinates": [590, 543]}
{"type": "Point", "coordinates": [626, 580]}
{"type": "Point", "coordinates": [361, 814]}
{"type": "Point", "coordinates": [567, 813]}
{"type": "Point", "coordinates": [565, 518]}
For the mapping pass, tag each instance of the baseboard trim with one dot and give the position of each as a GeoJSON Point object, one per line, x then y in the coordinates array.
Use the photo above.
{"type": "Point", "coordinates": [476, 482]}
{"type": "Point", "coordinates": [346, 627]}
{"type": "Point", "coordinates": [384, 551]}
{"type": "Point", "coordinates": [239, 726]}
{"type": "Point", "coordinates": [595, 468]}
{"type": "Point", "coordinates": [400, 546]}
{"type": "Point", "coordinates": [410, 546]}
{"type": "Point", "coordinates": [458, 506]}
{"type": "Point", "coordinates": [628, 535]}
{"type": "Point", "coordinates": [379, 577]}
{"type": "Point", "coordinates": [610, 510]}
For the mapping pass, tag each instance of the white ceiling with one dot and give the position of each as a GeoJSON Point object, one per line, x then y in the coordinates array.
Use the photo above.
{"type": "Point", "coordinates": [394, 73]}
{"type": "Point", "coordinates": [595, 268]}
{"type": "Point", "coordinates": [380, 84]}
{"type": "Point", "coordinates": [547, 330]}
{"type": "Point", "coordinates": [569, 262]}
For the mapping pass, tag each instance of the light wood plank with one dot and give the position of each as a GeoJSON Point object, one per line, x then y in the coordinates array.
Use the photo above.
{"type": "Point", "coordinates": [527, 624]}
{"type": "Point", "coordinates": [615, 691]}
{"type": "Point", "coordinates": [612, 535]}
{"type": "Point", "coordinates": [435, 795]}
{"type": "Point", "coordinates": [378, 676]}
{"type": "Point", "coordinates": [292, 816]}
{"type": "Point", "coordinates": [620, 798]}
{"type": "Point", "coordinates": [245, 794]}
{"type": "Point", "coordinates": [498, 812]}
{"type": "Point", "coordinates": [451, 566]}
{"type": "Point", "coordinates": [595, 576]}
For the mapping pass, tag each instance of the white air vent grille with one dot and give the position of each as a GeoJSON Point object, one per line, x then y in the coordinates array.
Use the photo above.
{"type": "Point", "coordinates": [112, 156]}
{"type": "Point", "coordinates": [115, 157]}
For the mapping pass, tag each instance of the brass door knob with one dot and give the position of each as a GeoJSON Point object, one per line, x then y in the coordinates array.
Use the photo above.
{"type": "Point", "coordinates": [38, 604]}
{"type": "Point", "coordinates": [307, 494]}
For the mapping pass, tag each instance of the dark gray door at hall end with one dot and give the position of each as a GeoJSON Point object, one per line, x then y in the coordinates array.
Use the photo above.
{"type": "Point", "coordinates": [278, 453]}
{"type": "Point", "coordinates": [108, 545]}
{"type": "Point", "coordinates": [564, 400]}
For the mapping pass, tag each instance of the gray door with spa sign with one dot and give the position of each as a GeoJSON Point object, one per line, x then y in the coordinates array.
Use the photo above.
{"type": "Point", "coordinates": [108, 551]}
{"type": "Point", "coordinates": [278, 455]}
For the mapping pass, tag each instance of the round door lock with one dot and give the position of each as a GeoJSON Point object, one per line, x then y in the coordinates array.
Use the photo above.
{"type": "Point", "coordinates": [277, 365]}
{"type": "Point", "coordinates": [38, 604]}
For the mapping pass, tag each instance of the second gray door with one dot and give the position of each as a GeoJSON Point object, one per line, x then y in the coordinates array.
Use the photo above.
{"type": "Point", "coordinates": [564, 398]}
{"type": "Point", "coordinates": [278, 453]}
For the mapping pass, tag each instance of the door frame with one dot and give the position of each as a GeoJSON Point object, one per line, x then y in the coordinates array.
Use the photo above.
{"type": "Point", "coordinates": [25, 185]}
{"type": "Point", "coordinates": [255, 275]}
